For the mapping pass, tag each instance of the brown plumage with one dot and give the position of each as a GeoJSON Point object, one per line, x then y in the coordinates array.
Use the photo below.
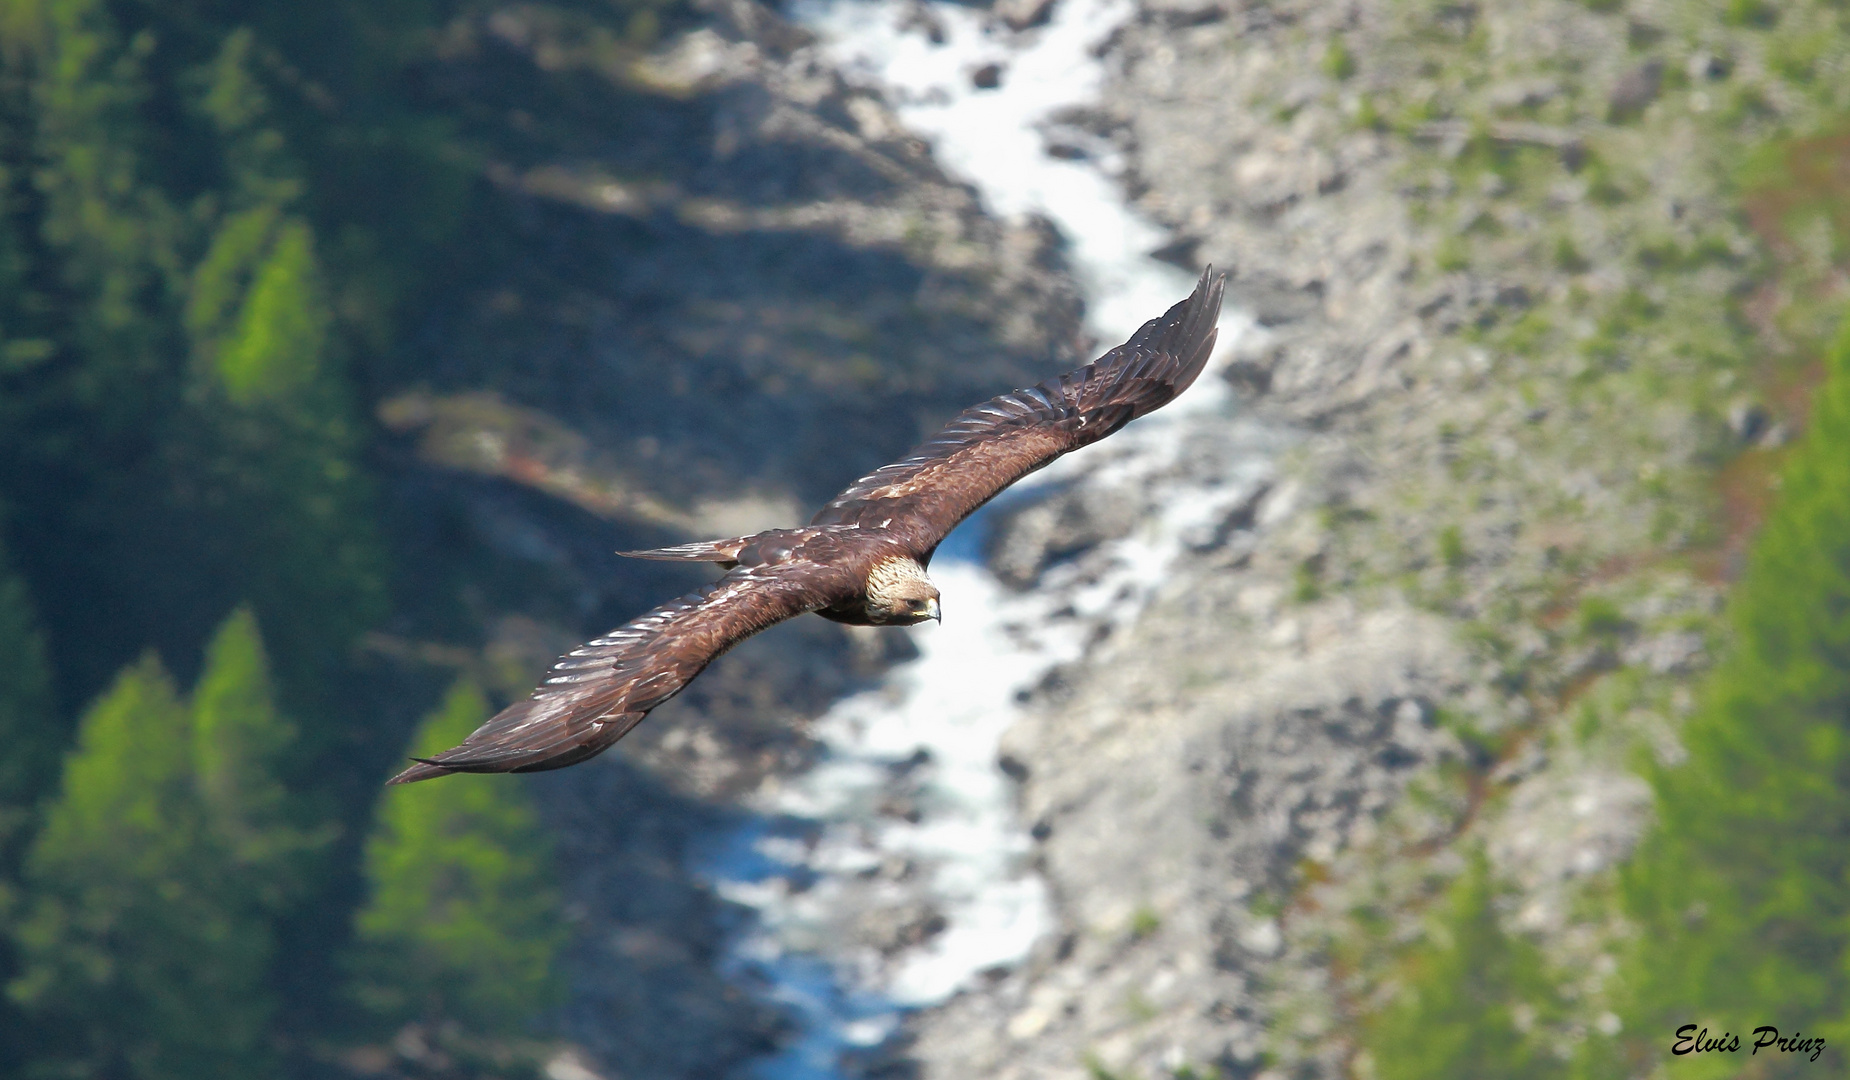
{"type": "Point", "coordinates": [860, 560]}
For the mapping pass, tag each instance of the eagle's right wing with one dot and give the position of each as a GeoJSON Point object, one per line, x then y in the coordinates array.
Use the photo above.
{"type": "Point", "coordinates": [595, 694]}
{"type": "Point", "coordinates": [986, 448]}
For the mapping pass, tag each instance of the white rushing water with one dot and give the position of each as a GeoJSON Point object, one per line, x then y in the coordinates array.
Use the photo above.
{"type": "Point", "coordinates": [908, 819]}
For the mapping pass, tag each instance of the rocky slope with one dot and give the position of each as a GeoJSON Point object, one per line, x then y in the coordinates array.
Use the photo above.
{"type": "Point", "coordinates": [1494, 246]}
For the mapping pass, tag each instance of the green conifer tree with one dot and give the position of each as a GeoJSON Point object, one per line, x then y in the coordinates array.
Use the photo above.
{"type": "Point", "coordinates": [239, 743]}
{"type": "Point", "coordinates": [273, 439]}
{"type": "Point", "coordinates": [193, 408]}
{"type": "Point", "coordinates": [268, 431]}
{"type": "Point", "coordinates": [154, 884]}
{"type": "Point", "coordinates": [463, 921]}
{"type": "Point", "coordinates": [121, 940]}
{"type": "Point", "coordinates": [1465, 990]}
{"type": "Point", "coordinates": [1742, 892]}
{"type": "Point", "coordinates": [120, 238]}
{"type": "Point", "coordinates": [208, 215]}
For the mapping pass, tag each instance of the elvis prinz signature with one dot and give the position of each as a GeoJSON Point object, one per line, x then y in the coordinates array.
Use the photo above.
{"type": "Point", "coordinates": [1694, 1040]}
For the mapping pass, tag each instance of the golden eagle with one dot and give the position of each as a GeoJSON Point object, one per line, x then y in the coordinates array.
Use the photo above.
{"type": "Point", "coordinates": [861, 560]}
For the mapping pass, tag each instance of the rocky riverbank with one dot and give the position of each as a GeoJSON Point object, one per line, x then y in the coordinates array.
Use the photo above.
{"type": "Point", "coordinates": [1496, 251]}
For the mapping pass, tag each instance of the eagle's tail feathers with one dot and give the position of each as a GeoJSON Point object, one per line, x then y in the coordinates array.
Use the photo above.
{"type": "Point", "coordinates": [723, 552]}
{"type": "Point", "coordinates": [425, 769]}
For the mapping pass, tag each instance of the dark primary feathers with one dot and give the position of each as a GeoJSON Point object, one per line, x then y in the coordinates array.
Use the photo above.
{"type": "Point", "coordinates": [986, 448]}
{"type": "Point", "coordinates": [596, 694]}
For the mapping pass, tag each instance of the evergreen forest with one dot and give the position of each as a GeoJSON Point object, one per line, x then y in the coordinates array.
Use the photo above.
{"type": "Point", "coordinates": [217, 220]}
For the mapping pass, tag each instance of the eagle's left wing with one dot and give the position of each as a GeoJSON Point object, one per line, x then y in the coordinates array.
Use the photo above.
{"type": "Point", "coordinates": [986, 448]}
{"type": "Point", "coordinates": [594, 695]}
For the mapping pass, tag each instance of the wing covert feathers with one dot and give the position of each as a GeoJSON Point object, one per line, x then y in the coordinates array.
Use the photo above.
{"type": "Point", "coordinates": [595, 694]}
{"type": "Point", "coordinates": [987, 447]}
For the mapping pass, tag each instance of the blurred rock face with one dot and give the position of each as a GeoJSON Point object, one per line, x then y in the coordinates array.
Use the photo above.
{"type": "Point", "coordinates": [1217, 791]}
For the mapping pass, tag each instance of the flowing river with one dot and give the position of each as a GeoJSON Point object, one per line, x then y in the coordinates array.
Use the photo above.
{"type": "Point", "coordinates": [909, 815]}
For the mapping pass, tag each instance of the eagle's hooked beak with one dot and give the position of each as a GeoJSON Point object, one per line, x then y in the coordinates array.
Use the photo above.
{"type": "Point", "coordinates": [931, 609]}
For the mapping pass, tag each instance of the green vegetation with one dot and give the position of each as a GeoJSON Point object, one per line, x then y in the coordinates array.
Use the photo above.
{"type": "Point", "coordinates": [1338, 61]}
{"type": "Point", "coordinates": [1742, 892]}
{"type": "Point", "coordinates": [463, 922]}
{"type": "Point", "coordinates": [1306, 587]}
{"type": "Point", "coordinates": [1096, 1068]}
{"type": "Point", "coordinates": [1632, 387]}
{"type": "Point", "coordinates": [218, 224]}
{"type": "Point", "coordinates": [1475, 1000]}
{"type": "Point", "coordinates": [1752, 13]}
{"type": "Point", "coordinates": [162, 864]}
{"type": "Point", "coordinates": [187, 401]}
{"type": "Point", "coordinates": [1452, 547]}
{"type": "Point", "coordinates": [1600, 618]}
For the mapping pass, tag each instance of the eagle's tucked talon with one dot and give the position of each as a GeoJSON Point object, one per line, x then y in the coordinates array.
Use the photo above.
{"type": "Point", "coordinates": [861, 560]}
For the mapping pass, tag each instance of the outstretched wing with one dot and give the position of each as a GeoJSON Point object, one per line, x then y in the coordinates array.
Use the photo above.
{"type": "Point", "coordinates": [594, 695]}
{"type": "Point", "coordinates": [984, 449]}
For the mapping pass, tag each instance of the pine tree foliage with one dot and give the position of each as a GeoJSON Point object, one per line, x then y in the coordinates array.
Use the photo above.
{"type": "Point", "coordinates": [1742, 892]}
{"type": "Point", "coordinates": [1476, 1001]}
{"type": "Point", "coordinates": [213, 218]}
{"type": "Point", "coordinates": [118, 236]}
{"type": "Point", "coordinates": [147, 943]}
{"type": "Point", "coordinates": [125, 951]}
{"type": "Point", "coordinates": [239, 745]}
{"type": "Point", "coordinates": [275, 441]}
{"type": "Point", "coordinates": [463, 921]}
{"type": "Point", "coordinates": [194, 407]}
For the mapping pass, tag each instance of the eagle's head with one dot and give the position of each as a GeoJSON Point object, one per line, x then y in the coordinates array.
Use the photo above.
{"type": "Point", "coordinates": [899, 594]}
